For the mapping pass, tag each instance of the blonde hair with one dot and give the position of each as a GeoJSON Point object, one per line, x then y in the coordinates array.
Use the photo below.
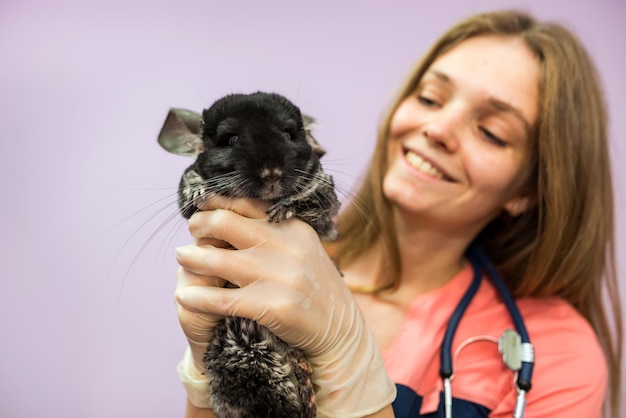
{"type": "Point", "coordinates": [562, 247]}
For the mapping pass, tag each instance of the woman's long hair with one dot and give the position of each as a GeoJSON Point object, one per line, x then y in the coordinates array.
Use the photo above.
{"type": "Point", "coordinates": [564, 246]}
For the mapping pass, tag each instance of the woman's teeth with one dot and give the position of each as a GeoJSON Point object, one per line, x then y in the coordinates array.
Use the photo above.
{"type": "Point", "coordinates": [423, 165]}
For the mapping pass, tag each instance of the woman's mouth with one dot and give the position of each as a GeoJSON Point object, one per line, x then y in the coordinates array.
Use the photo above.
{"type": "Point", "coordinates": [424, 166]}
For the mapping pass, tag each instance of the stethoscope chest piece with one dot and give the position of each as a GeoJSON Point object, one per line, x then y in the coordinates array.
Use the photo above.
{"type": "Point", "coordinates": [510, 346]}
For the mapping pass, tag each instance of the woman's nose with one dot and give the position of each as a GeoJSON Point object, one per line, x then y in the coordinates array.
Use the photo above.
{"type": "Point", "coordinates": [443, 129]}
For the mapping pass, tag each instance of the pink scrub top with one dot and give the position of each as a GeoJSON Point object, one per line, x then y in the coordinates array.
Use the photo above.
{"type": "Point", "coordinates": [570, 373]}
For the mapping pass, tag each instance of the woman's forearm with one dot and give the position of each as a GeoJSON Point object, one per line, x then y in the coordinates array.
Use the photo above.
{"type": "Point", "coordinates": [386, 412]}
{"type": "Point", "coordinates": [195, 412]}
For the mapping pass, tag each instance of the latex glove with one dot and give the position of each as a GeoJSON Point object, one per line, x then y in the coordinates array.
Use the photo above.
{"type": "Point", "coordinates": [198, 328]}
{"type": "Point", "coordinates": [288, 283]}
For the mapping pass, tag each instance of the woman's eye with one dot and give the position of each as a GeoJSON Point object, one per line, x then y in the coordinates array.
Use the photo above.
{"type": "Point", "coordinates": [493, 138]}
{"type": "Point", "coordinates": [427, 101]}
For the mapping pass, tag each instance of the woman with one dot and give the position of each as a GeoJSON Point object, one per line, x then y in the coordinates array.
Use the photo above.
{"type": "Point", "coordinates": [498, 140]}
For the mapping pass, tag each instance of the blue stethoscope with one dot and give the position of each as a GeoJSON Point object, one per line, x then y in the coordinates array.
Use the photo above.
{"type": "Point", "coordinates": [517, 351]}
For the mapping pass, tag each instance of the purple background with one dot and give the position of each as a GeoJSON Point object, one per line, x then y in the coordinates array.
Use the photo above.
{"type": "Point", "coordinates": [87, 320]}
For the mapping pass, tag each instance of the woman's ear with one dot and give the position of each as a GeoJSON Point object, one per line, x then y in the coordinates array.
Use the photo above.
{"type": "Point", "coordinates": [518, 205]}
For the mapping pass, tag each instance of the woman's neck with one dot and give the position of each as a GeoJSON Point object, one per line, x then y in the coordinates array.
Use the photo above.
{"type": "Point", "coordinates": [429, 259]}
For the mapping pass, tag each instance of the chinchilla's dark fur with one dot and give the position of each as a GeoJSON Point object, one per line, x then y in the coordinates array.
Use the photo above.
{"type": "Point", "coordinates": [256, 374]}
{"type": "Point", "coordinates": [255, 146]}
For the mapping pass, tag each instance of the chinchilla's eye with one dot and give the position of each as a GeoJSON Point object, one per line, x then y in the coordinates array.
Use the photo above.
{"type": "Point", "coordinates": [227, 140]}
{"type": "Point", "coordinates": [290, 134]}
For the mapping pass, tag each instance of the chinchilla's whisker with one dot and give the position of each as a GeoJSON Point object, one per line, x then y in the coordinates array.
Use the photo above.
{"type": "Point", "coordinates": [179, 221]}
{"type": "Point", "coordinates": [303, 176]}
{"type": "Point", "coordinates": [141, 188]}
{"type": "Point", "coordinates": [171, 200]}
{"type": "Point", "coordinates": [351, 198]}
{"type": "Point", "coordinates": [225, 181]}
{"type": "Point", "coordinates": [358, 206]}
{"type": "Point", "coordinates": [134, 234]}
{"type": "Point", "coordinates": [141, 226]}
{"type": "Point", "coordinates": [151, 237]}
{"type": "Point", "coordinates": [343, 160]}
{"type": "Point", "coordinates": [136, 213]}
{"type": "Point", "coordinates": [357, 177]}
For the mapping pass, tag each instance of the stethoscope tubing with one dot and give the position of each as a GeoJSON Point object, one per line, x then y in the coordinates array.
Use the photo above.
{"type": "Point", "coordinates": [524, 375]}
{"type": "Point", "coordinates": [446, 370]}
{"type": "Point", "coordinates": [479, 260]}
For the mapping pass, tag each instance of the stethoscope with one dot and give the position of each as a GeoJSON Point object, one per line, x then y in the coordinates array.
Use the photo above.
{"type": "Point", "coordinates": [517, 351]}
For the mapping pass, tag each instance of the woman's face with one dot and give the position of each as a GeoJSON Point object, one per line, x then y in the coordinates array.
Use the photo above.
{"type": "Point", "coordinates": [458, 148]}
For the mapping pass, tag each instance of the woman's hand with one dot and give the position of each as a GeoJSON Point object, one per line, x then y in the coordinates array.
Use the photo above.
{"type": "Point", "coordinates": [197, 326]}
{"type": "Point", "coordinates": [286, 282]}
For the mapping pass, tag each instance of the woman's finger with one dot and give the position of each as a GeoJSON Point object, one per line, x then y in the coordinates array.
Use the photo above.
{"type": "Point", "coordinates": [248, 302]}
{"type": "Point", "coordinates": [229, 227]}
{"type": "Point", "coordinates": [236, 267]}
{"type": "Point", "coordinates": [212, 242]}
{"type": "Point", "coordinates": [197, 326]}
{"type": "Point", "coordinates": [250, 208]}
{"type": "Point", "coordinates": [189, 278]}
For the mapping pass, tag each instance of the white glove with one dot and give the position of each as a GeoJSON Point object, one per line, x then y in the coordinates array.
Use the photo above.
{"type": "Point", "coordinates": [198, 328]}
{"type": "Point", "coordinates": [195, 385]}
{"type": "Point", "coordinates": [289, 284]}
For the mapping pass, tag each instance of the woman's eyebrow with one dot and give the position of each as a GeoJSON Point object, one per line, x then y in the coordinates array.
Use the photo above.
{"type": "Point", "coordinates": [503, 106]}
{"type": "Point", "coordinates": [495, 103]}
{"type": "Point", "coordinates": [439, 75]}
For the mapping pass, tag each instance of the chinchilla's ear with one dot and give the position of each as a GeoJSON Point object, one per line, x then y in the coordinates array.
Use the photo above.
{"type": "Point", "coordinates": [181, 133]}
{"type": "Point", "coordinates": [309, 123]}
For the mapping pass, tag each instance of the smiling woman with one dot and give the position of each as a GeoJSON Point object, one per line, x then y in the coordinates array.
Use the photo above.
{"type": "Point", "coordinates": [488, 145]}
{"type": "Point", "coordinates": [466, 127]}
{"type": "Point", "coordinates": [497, 139]}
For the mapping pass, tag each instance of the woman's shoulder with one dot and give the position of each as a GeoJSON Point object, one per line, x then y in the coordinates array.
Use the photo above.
{"type": "Point", "coordinates": [563, 339]}
{"type": "Point", "coordinates": [557, 326]}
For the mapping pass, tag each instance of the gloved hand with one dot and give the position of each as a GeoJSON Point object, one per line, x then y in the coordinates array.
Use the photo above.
{"type": "Point", "coordinates": [198, 328]}
{"type": "Point", "coordinates": [287, 283]}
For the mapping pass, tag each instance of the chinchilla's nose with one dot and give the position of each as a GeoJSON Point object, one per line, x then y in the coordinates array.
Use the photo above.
{"type": "Point", "coordinates": [271, 174]}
